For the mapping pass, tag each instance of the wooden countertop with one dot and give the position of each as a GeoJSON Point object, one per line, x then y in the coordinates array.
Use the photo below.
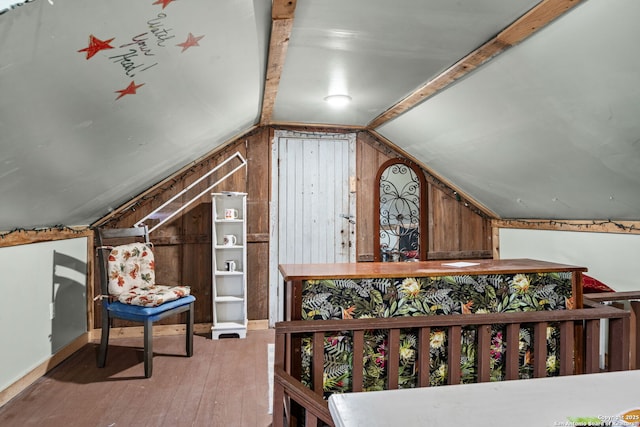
{"type": "Point", "coordinates": [420, 269]}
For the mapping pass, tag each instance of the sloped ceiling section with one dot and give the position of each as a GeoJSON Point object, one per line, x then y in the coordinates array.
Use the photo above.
{"type": "Point", "coordinates": [378, 51]}
{"type": "Point", "coordinates": [99, 100]}
{"type": "Point", "coordinates": [549, 128]}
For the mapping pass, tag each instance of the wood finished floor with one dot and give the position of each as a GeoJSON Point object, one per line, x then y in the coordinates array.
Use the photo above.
{"type": "Point", "coordinates": [225, 383]}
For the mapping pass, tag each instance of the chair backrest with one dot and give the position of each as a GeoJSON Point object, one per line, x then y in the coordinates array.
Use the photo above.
{"type": "Point", "coordinates": [135, 263]}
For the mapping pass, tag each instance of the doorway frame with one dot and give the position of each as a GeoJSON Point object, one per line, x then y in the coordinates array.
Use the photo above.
{"type": "Point", "coordinates": [276, 284]}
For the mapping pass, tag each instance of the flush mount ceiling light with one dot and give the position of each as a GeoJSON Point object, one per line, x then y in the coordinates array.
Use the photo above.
{"type": "Point", "coordinates": [338, 100]}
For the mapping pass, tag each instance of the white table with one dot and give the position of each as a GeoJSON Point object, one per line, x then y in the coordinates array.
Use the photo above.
{"type": "Point", "coordinates": [543, 402]}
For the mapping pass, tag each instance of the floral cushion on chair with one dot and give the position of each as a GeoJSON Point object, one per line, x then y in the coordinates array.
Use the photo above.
{"type": "Point", "coordinates": [152, 296]}
{"type": "Point", "coordinates": [132, 277]}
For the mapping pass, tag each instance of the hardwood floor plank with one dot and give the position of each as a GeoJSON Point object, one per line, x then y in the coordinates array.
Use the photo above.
{"type": "Point", "coordinates": [224, 384]}
{"type": "Point", "coordinates": [190, 391]}
{"type": "Point", "coordinates": [256, 396]}
{"type": "Point", "coordinates": [229, 395]}
{"type": "Point", "coordinates": [168, 383]}
{"type": "Point", "coordinates": [214, 388]}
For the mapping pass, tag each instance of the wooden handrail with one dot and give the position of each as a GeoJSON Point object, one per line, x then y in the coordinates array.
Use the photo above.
{"type": "Point", "coordinates": [305, 326]}
{"type": "Point", "coordinates": [288, 389]}
{"type": "Point", "coordinates": [316, 407]}
{"type": "Point", "coordinates": [632, 300]}
{"type": "Point", "coordinates": [613, 296]}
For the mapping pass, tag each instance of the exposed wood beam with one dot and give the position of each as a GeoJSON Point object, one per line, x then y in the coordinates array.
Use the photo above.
{"type": "Point", "coordinates": [542, 14]}
{"type": "Point", "coordinates": [596, 226]}
{"type": "Point", "coordinates": [24, 237]}
{"type": "Point", "coordinates": [538, 17]}
{"type": "Point", "coordinates": [315, 127]}
{"type": "Point", "coordinates": [282, 13]}
{"type": "Point", "coordinates": [283, 9]}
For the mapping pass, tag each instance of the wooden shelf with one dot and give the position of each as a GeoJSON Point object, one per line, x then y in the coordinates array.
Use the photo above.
{"type": "Point", "coordinates": [229, 246]}
{"type": "Point", "coordinates": [229, 273]}
{"type": "Point", "coordinates": [229, 299]}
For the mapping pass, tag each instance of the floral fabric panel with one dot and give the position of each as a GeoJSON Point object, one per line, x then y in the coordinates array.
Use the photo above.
{"type": "Point", "coordinates": [132, 277]}
{"type": "Point", "coordinates": [153, 296]}
{"type": "Point", "coordinates": [428, 296]}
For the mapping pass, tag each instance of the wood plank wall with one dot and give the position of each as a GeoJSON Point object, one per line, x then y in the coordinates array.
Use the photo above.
{"type": "Point", "coordinates": [183, 246]}
{"type": "Point", "coordinates": [456, 228]}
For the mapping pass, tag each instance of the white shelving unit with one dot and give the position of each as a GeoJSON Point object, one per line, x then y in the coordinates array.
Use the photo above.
{"type": "Point", "coordinates": [229, 283]}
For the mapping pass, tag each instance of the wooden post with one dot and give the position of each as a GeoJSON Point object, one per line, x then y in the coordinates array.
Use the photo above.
{"type": "Point", "coordinates": [317, 364]}
{"type": "Point", "coordinates": [454, 347]}
{"type": "Point", "coordinates": [484, 353]}
{"type": "Point", "coordinates": [578, 335]}
{"type": "Point", "coordinates": [619, 344]}
{"type": "Point", "coordinates": [358, 360]}
{"type": "Point", "coordinates": [634, 337]}
{"type": "Point", "coordinates": [424, 344]}
{"type": "Point", "coordinates": [512, 355]}
{"type": "Point", "coordinates": [540, 350]}
{"type": "Point", "coordinates": [393, 359]}
{"type": "Point", "coordinates": [567, 348]}
{"type": "Point", "coordinates": [592, 347]}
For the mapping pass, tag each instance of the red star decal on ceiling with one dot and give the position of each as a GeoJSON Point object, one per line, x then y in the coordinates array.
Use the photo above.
{"type": "Point", "coordinates": [129, 90]}
{"type": "Point", "coordinates": [164, 3]}
{"type": "Point", "coordinates": [96, 45]}
{"type": "Point", "coordinates": [191, 41]}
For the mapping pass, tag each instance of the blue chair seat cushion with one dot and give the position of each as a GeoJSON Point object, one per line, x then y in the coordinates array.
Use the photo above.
{"type": "Point", "coordinates": [139, 313]}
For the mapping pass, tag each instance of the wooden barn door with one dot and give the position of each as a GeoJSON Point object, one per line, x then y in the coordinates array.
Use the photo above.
{"type": "Point", "coordinates": [313, 209]}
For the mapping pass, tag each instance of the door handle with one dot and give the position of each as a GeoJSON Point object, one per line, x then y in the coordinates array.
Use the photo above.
{"type": "Point", "coordinates": [349, 218]}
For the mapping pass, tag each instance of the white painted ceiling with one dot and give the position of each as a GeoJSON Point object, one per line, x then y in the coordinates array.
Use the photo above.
{"type": "Point", "coordinates": [547, 129]}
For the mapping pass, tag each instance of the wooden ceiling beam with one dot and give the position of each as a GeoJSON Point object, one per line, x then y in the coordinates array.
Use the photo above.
{"type": "Point", "coordinates": [539, 16]}
{"type": "Point", "coordinates": [282, 14]}
{"type": "Point", "coordinates": [596, 226]}
{"type": "Point", "coordinates": [23, 237]}
{"type": "Point", "coordinates": [283, 9]}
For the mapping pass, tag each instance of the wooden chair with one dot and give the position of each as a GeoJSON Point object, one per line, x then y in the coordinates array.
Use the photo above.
{"type": "Point", "coordinates": [129, 291]}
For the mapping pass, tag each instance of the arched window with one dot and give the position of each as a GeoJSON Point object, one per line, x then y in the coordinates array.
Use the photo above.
{"type": "Point", "coordinates": [401, 207]}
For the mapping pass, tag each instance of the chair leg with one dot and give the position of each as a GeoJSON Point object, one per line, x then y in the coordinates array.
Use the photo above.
{"type": "Point", "coordinates": [148, 348]}
{"type": "Point", "coordinates": [190, 331]}
{"type": "Point", "coordinates": [104, 340]}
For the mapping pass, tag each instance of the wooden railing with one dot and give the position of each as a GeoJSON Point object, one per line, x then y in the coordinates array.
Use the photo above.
{"type": "Point", "coordinates": [579, 351]}
{"type": "Point", "coordinates": [627, 301]}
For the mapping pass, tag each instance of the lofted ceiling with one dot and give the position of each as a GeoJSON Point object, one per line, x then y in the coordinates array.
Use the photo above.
{"type": "Point", "coordinates": [527, 107]}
